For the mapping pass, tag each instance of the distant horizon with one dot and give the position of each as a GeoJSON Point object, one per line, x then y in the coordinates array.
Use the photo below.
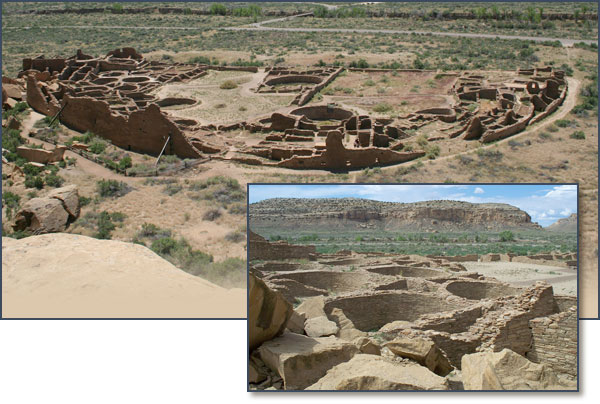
{"type": "Point", "coordinates": [545, 203]}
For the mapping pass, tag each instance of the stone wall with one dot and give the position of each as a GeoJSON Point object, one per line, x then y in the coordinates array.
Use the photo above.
{"type": "Point", "coordinates": [144, 131]}
{"type": "Point", "coordinates": [261, 249]}
{"type": "Point", "coordinates": [554, 342]}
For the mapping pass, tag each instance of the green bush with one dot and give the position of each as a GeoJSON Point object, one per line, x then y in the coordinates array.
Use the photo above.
{"type": "Point", "coordinates": [165, 245]}
{"type": "Point", "coordinates": [125, 163]}
{"type": "Point", "coordinates": [577, 135]}
{"type": "Point", "coordinates": [11, 201]}
{"type": "Point", "coordinates": [218, 9]}
{"type": "Point", "coordinates": [383, 107]}
{"type": "Point", "coordinates": [97, 147]}
{"type": "Point", "coordinates": [152, 231]}
{"type": "Point", "coordinates": [34, 182]}
{"type": "Point", "coordinates": [30, 169]}
{"type": "Point", "coordinates": [105, 226]}
{"type": "Point", "coordinates": [507, 235]}
{"type": "Point", "coordinates": [54, 180]}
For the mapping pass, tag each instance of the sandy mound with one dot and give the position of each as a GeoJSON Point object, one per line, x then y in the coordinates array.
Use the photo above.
{"type": "Point", "coordinates": [66, 275]}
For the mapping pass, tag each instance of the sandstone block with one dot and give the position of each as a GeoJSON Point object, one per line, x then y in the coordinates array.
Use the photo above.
{"type": "Point", "coordinates": [370, 372]}
{"type": "Point", "coordinates": [301, 360]}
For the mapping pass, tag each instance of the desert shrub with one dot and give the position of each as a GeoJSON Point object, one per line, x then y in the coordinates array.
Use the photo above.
{"type": "Point", "coordinates": [165, 245]}
{"type": "Point", "coordinates": [11, 201]}
{"type": "Point", "coordinates": [218, 9]}
{"type": "Point", "coordinates": [422, 141]}
{"type": "Point", "coordinates": [97, 147]}
{"type": "Point", "coordinates": [237, 208]}
{"type": "Point", "coordinates": [152, 231]}
{"type": "Point", "coordinates": [221, 189]}
{"type": "Point", "coordinates": [86, 138]}
{"type": "Point", "coordinates": [507, 235]}
{"type": "Point", "coordinates": [360, 64]}
{"type": "Point", "coordinates": [34, 181]}
{"type": "Point", "coordinates": [229, 273]}
{"type": "Point", "coordinates": [577, 135]}
{"type": "Point", "coordinates": [11, 139]}
{"type": "Point", "coordinates": [112, 188]}
{"type": "Point", "coordinates": [212, 214]}
{"type": "Point", "coordinates": [228, 85]}
{"type": "Point", "coordinates": [140, 169]}
{"type": "Point", "coordinates": [203, 60]}
{"type": "Point", "coordinates": [235, 236]}
{"type": "Point", "coordinates": [54, 180]}
{"type": "Point", "coordinates": [17, 109]}
{"type": "Point", "coordinates": [172, 189]}
{"type": "Point", "coordinates": [383, 107]}
{"type": "Point", "coordinates": [125, 163]}
{"type": "Point", "coordinates": [105, 226]}
{"type": "Point", "coordinates": [369, 83]}
{"type": "Point", "coordinates": [432, 152]}
{"type": "Point", "coordinates": [84, 201]}
{"type": "Point", "coordinates": [564, 123]}
{"type": "Point", "coordinates": [30, 169]}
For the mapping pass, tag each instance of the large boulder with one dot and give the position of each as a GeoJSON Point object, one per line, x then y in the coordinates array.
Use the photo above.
{"type": "Point", "coordinates": [312, 307]}
{"type": "Point", "coordinates": [40, 155]}
{"type": "Point", "coordinates": [320, 327]}
{"type": "Point", "coordinates": [42, 215]}
{"type": "Point", "coordinates": [347, 330]}
{"type": "Point", "coordinates": [505, 370]}
{"type": "Point", "coordinates": [268, 312]}
{"type": "Point", "coordinates": [422, 351]}
{"type": "Point", "coordinates": [370, 372]}
{"type": "Point", "coordinates": [50, 214]}
{"type": "Point", "coordinates": [367, 346]}
{"type": "Point", "coordinates": [69, 196]}
{"type": "Point", "coordinates": [296, 322]}
{"type": "Point", "coordinates": [302, 360]}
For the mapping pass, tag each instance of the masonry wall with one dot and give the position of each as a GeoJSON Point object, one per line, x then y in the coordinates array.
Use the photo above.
{"type": "Point", "coordinates": [260, 249]}
{"type": "Point", "coordinates": [554, 342]}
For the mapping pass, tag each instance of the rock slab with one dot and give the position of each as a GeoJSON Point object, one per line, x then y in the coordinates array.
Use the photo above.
{"type": "Point", "coordinates": [370, 372]}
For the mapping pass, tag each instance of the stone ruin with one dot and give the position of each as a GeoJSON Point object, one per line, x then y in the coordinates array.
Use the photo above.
{"type": "Point", "coordinates": [305, 83]}
{"type": "Point", "coordinates": [115, 97]}
{"type": "Point", "coordinates": [333, 322]}
{"type": "Point", "coordinates": [512, 103]}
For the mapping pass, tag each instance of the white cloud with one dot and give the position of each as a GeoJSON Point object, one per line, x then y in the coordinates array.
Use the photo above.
{"type": "Point", "coordinates": [565, 212]}
{"type": "Point", "coordinates": [479, 191]}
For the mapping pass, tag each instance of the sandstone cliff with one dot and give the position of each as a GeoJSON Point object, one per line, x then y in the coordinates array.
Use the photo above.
{"type": "Point", "coordinates": [353, 213]}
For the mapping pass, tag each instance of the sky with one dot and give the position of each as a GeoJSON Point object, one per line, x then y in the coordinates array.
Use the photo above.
{"type": "Point", "coordinates": [544, 203]}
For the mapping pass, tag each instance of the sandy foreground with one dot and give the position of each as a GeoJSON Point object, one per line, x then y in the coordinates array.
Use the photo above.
{"type": "Point", "coordinates": [563, 281]}
{"type": "Point", "coordinates": [65, 275]}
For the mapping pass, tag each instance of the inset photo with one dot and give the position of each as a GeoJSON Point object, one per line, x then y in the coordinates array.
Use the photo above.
{"type": "Point", "coordinates": [389, 287]}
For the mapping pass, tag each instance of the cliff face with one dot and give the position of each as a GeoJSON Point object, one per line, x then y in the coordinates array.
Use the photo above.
{"type": "Point", "coordinates": [566, 225]}
{"type": "Point", "coordinates": [352, 213]}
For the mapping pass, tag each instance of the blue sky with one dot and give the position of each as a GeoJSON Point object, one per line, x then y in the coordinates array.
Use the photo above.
{"type": "Point", "coordinates": [544, 203]}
